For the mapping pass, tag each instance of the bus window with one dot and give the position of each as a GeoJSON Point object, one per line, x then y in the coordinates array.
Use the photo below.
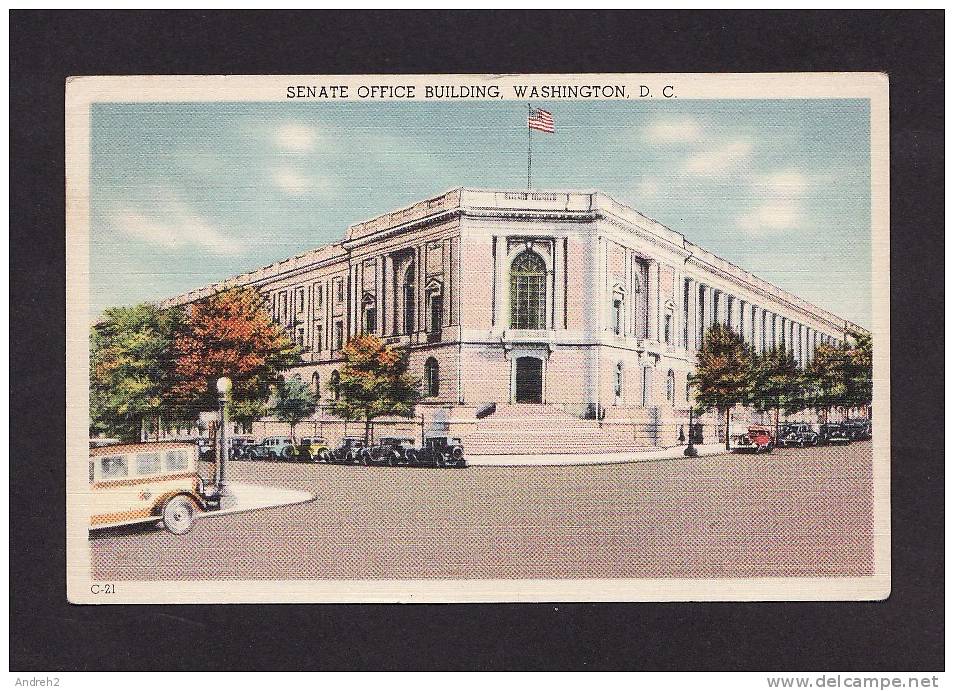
{"type": "Point", "coordinates": [147, 464]}
{"type": "Point", "coordinates": [114, 466]}
{"type": "Point", "coordinates": [177, 459]}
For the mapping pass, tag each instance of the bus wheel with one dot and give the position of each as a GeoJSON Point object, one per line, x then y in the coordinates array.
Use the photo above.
{"type": "Point", "coordinates": [178, 515]}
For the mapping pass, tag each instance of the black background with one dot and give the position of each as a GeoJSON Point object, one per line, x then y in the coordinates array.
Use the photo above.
{"type": "Point", "coordinates": [46, 633]}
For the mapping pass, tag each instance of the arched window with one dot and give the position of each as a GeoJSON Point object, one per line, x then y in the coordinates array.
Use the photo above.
{"type": "Point", "coordinates": [316, 384]}
{"type": "Point", "coordinates": [407, 290]}
{"type": "Point", "coordinates": [671, 386]}
{"type": "Point", "coordinates": [432, 376]}
{"type": "Point", "coordinates": [618, 381]}
{"type": "Point", "coordinates": [528, 291]}
{"type": "Point", "coordinates": [335, 385]}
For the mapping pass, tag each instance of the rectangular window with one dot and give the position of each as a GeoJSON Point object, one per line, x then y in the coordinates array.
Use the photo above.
{"type": "Point", "coordinates": [339, 335]}
{"type": "Point", "coordinates": [319, 338]}
{"type": "Point", "coordinates": [667, 328]}
{"type": "Point", "coordinates": [147, 463]}
{"type": "Point", "coordinates": [437, 312]}
{"type": "Point", "coordinates": [300, 337]}
{"type": "Point", "coordinates": [300, 297]}
{"type": "Point", "coordinates": [177, 459]}
{"type": "Point", "coordinates": [319, 297]}
{"type": "Point", "coordinates": [339, 290]}
{"type": "Point", "coordinates": [370, 319]}
{"type": "Point", "coordinates": [618, 317]}
{"type": "Point", "coordinates": [113, 466]}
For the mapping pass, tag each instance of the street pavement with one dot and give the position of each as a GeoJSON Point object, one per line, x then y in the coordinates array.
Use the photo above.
{"type": "Point", "coordinates": [795, 512]}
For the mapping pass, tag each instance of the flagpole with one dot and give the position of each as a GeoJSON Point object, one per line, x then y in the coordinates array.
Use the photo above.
{"type": "Point", "coordinates": [529, 149]}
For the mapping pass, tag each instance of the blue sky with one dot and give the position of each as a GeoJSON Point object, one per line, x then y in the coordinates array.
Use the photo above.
{"type": "Point", "coordinates": [183, 194]}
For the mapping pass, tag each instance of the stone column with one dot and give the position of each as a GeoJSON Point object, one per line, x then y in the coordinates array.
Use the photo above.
{"type": "Point", "coordinates": [558, 294]}
{"type": "Point", "coordinates": [500, 277]}
{"type": "Point", "coordinates": [653, 316]}
{"type": "Point", "coordinates": [691, 315]}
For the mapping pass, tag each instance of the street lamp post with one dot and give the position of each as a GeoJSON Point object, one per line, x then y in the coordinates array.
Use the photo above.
{"type": "Point", "coordinates": [224, 388]}
{"type": "Point", "coordinates": [690, 451]}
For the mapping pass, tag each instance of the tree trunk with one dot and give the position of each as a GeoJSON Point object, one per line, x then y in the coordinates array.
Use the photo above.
{"type": "Point", "coordinates": [776, 425]}
{"type": "Point", "coordinates": [367, 431]}
{"type": "Point", "coordinates": [291, 431]}
{"type": "Point", "coordinates": [728, 412]}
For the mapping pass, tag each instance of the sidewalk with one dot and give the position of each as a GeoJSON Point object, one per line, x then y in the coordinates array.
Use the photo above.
{"type": "Point", "coordinates": [656, 454]}
{"type": "Point", "coordinates": [253, 497]}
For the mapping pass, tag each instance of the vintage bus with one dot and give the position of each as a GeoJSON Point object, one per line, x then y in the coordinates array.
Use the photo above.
{"type": "Point", "coordinates": [148, 482]}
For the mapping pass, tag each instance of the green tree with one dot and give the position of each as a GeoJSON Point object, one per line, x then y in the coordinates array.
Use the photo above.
{"type": "Point", "coordinates": [294, 401]}
{"type": "Point", "coordinates": [776, 383]}
{"type": "Point", "coordinates": [860, 358]}
{"type": "Point", "coordinates": [373, 383]}
{"type": "Point", "coordinates": [722, 375]}
{"type": "Point", "coordinates": [826, 379]}
{"type": "Point", "coordinates": [230, 334]}
{"type": "Point", "coordinates": [130, 369]}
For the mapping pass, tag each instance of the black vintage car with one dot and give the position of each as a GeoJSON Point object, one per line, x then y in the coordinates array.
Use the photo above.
{"type": "Point", "coordinates": [391, 451]}
{"type": "Point", "coordinates": [859, 429]}
{"type": "Point", "coordinates": [834, 433]}
{"type": "Point", "coordinates": [350, 451]}
{"type": "Point", "coordinates": [442, 452]}
{"type": "Point", "coordinates": [797, 434]}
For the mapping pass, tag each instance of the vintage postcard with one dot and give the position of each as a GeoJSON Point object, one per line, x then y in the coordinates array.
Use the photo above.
{"type": "Point", "coordinates": [459, 338]}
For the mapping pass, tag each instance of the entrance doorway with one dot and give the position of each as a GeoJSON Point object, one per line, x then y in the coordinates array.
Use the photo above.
{"type": "Point", "coordinates": [528, 387]}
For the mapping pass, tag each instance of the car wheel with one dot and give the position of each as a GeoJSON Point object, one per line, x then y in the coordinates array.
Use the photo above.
{"type": "Point", "coordinates": [178, 515]}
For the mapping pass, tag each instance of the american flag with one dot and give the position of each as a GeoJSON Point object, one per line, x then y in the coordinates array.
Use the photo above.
{"type": "Point", "coordinates": [541, 120]}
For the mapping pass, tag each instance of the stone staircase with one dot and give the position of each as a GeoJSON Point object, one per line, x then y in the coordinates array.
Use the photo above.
{"type": "Point", "coordinates": [533, 428]}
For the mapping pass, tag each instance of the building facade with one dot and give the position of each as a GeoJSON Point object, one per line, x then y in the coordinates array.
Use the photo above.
{"type": "Point", "coordinates": [561, 312]}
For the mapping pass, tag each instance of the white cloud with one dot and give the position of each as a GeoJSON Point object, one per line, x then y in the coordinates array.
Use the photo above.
{"type": "Point", "coordinates": [719, 161]}
{"type": "Point", "coordinates": [673, 131]}
{"type": "Point", "coordinates": [176, 228]}
{"type": "Point", "coordinates": [784, 183]}
{"type": "Point", "coordinates": [291, 181]}
{"type": "Point", "coordinates": [781, 206]}
{"type": "Point", "coordinates": [295, 183]}
{"type": "Point", "coordinates": [647, 187]}
{"type": "Point", "coordinates": [772, 216]}
{"type": "Point", "coordinates": [295, 137]}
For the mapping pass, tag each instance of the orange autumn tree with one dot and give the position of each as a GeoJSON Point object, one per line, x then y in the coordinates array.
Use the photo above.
{"type": "Point", "coordinates": [230, 334]}
{"type": "Point", "coordinates": [373, 383]}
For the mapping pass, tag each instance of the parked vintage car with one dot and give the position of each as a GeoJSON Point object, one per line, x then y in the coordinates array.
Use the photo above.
{"type": "Point", "coordinates": [755, 439]}
{"type": "Point", "coordinates": [148, 482]}
{"type": "Point", "coordinates": [835, 433]}
{"type": "Point", "coordinates": [859, 429]}
{"type": "Point", "coordinates": [442, 452]}
{"type": "Point", "coordinates": [239, 446]}
{"type": "Point", "coordinates": [205, 448]}
{"type": "Point", "coordinates": [391, 451]}
{"type": "Point", "coordinates": [349, 451]}
{"type": "Point", "coordinates": [272, 448]}
{"type": "Point", "coordinates": [313, 450]}
{"type": "Point", "coordinates": [797, 434]}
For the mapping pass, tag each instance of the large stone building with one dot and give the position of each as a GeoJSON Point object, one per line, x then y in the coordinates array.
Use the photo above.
{"type": "Point", "coordinates": [541, 320]}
